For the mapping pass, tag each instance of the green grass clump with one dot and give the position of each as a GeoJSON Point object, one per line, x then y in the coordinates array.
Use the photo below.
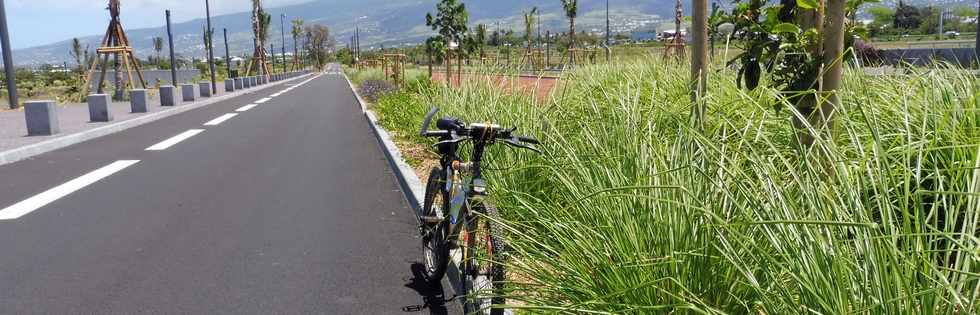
{"type": "Point", "coordinates": [631, 209]}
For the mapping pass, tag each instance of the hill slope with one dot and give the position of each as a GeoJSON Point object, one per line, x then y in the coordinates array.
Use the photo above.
{"type": "Point", "coordinates": [381, 22]}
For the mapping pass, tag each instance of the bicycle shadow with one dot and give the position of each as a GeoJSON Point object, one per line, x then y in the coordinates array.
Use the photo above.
{"type": "Point", "coordinates": [433, 296]}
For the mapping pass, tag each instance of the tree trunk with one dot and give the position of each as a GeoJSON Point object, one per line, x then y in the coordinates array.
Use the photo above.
{"type": "Point", "coordinates": [699, 58]}
{"type": "Point", "coordinates": [808, 103]}
{"type": "Point", "coordinates": [118, 95]}
{"type": "Point", "coordinates": [449, 68]}
{"type": "Point", "coordinates": [459, 69]}
{"type": "Point", "coordinates": [833, 52]}
{"type": "Point", "coordinates": [428, 56]}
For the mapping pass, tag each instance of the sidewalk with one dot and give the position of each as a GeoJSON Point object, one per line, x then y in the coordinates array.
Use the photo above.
{"type": "Point", "coordinates": [75, 126]}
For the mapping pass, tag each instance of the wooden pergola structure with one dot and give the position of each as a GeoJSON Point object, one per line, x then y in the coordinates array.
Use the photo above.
{"type": "Point", "coordinates": [394, 67]}
{"type": "Point", "coordinates": [114, 43]}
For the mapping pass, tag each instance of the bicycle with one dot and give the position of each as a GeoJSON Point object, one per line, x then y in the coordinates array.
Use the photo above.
{"type": "Point", "coordinates": [454, 204]}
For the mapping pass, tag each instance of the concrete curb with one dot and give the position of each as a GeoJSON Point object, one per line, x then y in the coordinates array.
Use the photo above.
{"type": "Point", "coordinates": [411, 185]}
{"type": "Point", "coordinates": [25, 152]}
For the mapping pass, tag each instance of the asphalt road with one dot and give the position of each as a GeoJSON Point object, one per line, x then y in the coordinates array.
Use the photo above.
{"type": "Point", "coordinates": [288, 207]}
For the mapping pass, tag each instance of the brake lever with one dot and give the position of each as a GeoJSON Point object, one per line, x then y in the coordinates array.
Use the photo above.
{"type": "Point", "coordinates": [515, 143]}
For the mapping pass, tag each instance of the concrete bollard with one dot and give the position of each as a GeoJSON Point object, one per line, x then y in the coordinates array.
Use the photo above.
{"type": "Point", "coordinates": [138, 100]}
{"type": "Point", "coordinates": [41, 117]}
{"type": "Point", "coordinates": [98, 108]}
{"type": "Point", "coordinates": [229, 85]}
{"type": "Point", "coordinates": [238, 84]}
{"type": "Point", "coordinates": [205, 88]}
{"type": "Point", "coordinates": [168, 95]}
{"type": "Point", "coordinates": [187, 90]}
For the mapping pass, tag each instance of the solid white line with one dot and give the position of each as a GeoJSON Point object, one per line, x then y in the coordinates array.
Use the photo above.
{"type": "Point", "coordinates": [263, 100]}
{"type": "Point", "coordinates": [163, 145]}
{"type": "Point", "coordinates": [275, 95]}
{"type": "Point", "coordinates": [246, 107]}
{"type": "Point", "coordinates": [40, 200]}
{"type": "Point", "coordinates": [220, 119]}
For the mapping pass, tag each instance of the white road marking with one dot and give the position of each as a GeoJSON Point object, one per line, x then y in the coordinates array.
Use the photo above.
{"type": "Point", "coordinates": [246, 107]}
{"type": "Point", "coordinates": [220, 119]}
{"type": "Point", "coordinates": [163, 145]}
{"type": "Point", "coordinates": [263, 100]}
{"type": "Point", "coordinates": [40, 200]}
{"type": "Point", "coordinates": [275, 95]}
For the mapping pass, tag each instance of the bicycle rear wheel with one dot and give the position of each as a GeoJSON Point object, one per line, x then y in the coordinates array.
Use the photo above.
{"type": "Point", "coordinates": [435, 247]}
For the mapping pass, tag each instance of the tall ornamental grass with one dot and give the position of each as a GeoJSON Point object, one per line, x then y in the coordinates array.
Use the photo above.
{"type": "Point", "coordinates": [633, 210]}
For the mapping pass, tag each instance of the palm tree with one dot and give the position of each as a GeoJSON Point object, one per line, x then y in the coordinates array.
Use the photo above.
{"type": "Point", "coordinates": [481, 38]}
{"type": "Point", "coordinates": [571, 11]}
{"type": "Point", "coordinates": [158, 45]}
{"type": "Point", "coordinates": [77, 53]}
{"type": "Point", "coordinates": [259, 22]}
{"type": "Point", "coordinates": [529, 27]}
{"type": "Point", "coordinates": [296, 32]}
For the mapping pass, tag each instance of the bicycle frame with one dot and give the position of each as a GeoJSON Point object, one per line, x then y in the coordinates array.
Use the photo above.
{"type": "Point", "coordinates": [464, 181]}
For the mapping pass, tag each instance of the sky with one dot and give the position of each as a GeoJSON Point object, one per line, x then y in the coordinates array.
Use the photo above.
{"type": "Point", "coordinates": [39, 22]}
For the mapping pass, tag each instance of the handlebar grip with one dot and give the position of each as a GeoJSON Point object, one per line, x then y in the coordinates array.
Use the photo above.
{"type": "Point", "coordinates": [428, 120]}
{"type": "Point", "coordinates": [528, 140]}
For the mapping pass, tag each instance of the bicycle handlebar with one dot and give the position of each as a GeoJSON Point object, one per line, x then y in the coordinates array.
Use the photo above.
{"type": "Point", "coordinates": [453, 130]}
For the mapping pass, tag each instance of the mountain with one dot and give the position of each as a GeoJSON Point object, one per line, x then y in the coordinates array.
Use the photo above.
{"type": "Point", "coordinates": [382, 22]}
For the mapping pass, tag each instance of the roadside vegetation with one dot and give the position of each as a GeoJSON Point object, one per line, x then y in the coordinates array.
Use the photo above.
{"type": "Point", "coordinates": [631, 209]}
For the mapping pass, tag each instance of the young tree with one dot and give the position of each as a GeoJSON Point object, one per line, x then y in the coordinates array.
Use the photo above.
{"type": "Point", "coordinates": [571, 11]}
{"type": "Point", "coordinates": [801, 42]}
{"type": "Point", "coordinates": [906, 16]}
{"type": "Point", "coordinates": [481, 38]}
{"type": "Point", "coordinates": [434, 48]}
{"type": "Point", "coordinates": [450, 22]}
{"type": "Point", "coordinates": [320, 43]}
{"type": "Point", "coordinates": [297, 30]}
{"type": "Point", "coordinates": [158, 46]}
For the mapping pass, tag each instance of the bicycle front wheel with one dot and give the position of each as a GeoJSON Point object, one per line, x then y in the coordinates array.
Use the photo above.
{"type": "Point", "coordinates": [435, 248]}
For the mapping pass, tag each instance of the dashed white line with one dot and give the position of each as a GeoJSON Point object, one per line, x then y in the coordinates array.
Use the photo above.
{"type": "Point", "coordinates": [163, 145]}
{"type": "Point", "coordinates": [220, 119]}
{"type": "Point", "coordinates": [246, 107]}
{"type": "Point", "coordinates": [40, 200]}
{"type": "Point", "coordinates": [263, 100]}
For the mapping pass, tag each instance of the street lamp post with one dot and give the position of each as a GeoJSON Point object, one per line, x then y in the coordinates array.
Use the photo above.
{"type": "Point", "coordinates": [173, 60]}
{"type": "Point", "coordinates": [8, 60]}
{"type": "Point", "coordinates": [282, 29]}
{"type": "Point", "coordinates": [227, 54]}
{"type": "Point", "coordinates": [214, 81]}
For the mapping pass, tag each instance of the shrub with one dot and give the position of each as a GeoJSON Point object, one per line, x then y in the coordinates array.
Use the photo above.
{"type": "Point", "coordinates": [371, 90]}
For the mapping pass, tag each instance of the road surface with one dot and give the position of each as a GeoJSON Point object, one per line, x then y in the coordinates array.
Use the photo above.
{"type": "Point", "coordinates": [275, 202]}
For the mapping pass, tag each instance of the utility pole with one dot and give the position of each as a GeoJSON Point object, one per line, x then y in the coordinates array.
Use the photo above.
{"type": "Point", "coordinates": [214, 81]}
{"type": "Point", "coordinates": [608, 49]}
{"type": "Point", "coordinates": [357, 42]}
{"type": "Point", "coordinates": [8, 60]}
{"type": "Point", "coordinates": [227, 54]}
{"type": "Point", "coordinates": [976, 48]}
{"type": "Point", "coordinates": [282, 29]}
{"type": "Point", "coordinates": [173, 60]}
{"type": "Point", "coordinates": [272, 53]}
